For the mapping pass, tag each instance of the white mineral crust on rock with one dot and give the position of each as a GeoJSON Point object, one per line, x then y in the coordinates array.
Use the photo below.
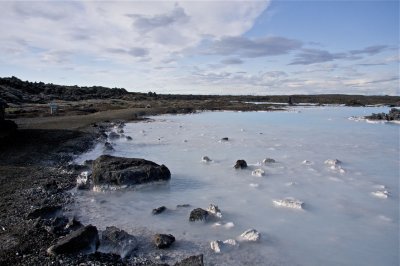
{"type": "Point", "coordinates": [219, 246]}
{"type": "Point", "coordinates": [333, 162]}
{"type": "Point", "coordinates": [214, 210]}
{"type": "Point", "coordinates": [258, 172]}
{"type": "Point", "coordinates": [289, 203]}
{"type": "Point", "coordinates": [250, 235]}
{"type": "Point", "coordinates": [383, 194]}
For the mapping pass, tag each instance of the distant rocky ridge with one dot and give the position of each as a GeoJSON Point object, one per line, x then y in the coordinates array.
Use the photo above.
{"type": "Point", "coordinates": [14, 90]}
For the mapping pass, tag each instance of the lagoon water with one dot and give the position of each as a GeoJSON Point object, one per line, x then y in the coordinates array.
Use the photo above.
{"type": "Point", "coordinates": [342, 222]}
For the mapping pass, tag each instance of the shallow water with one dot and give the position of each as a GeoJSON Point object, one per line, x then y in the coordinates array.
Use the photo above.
{"type": "Point", "coordinates": [342, 222]}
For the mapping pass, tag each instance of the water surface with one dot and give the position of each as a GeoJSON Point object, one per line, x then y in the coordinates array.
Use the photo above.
{"type": "Point", "coordinates": [342, 222]}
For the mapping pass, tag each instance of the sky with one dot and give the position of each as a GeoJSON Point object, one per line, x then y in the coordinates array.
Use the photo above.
{"type": "Point", "coordinates": [255, 47]}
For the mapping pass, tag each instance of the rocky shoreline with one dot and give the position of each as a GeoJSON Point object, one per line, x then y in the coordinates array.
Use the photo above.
{"type": "Point", "coordinates": [36, 176]}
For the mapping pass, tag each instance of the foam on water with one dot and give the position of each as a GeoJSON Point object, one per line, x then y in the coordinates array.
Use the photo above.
{"type": "Point", "coordinates": [342, 222]}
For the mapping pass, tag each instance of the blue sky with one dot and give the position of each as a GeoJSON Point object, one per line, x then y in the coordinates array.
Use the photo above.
{"type": "Point", "coordinates": [206, 47]}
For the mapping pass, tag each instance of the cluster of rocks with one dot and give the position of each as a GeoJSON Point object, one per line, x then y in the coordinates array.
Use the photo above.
{"type": "Point", "coordinates": [394, 114]}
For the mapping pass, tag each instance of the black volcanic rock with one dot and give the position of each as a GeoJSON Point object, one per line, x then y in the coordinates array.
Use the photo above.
{"type": "Point", "coordinates": [163, 241]}
{"type": "Point", "coordinates": [394, 114]}
{"type": "Point", "coordinates": [198, 215]}
{"type": "Point", "coordinates": [83, 240]}
{"type": "Point", "coordinates": [240, 164]}
{"type": "Point", "coordinates": [111, 170]}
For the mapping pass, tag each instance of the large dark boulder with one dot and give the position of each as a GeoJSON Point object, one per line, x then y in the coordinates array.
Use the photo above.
{"type": "Point", "coordinates": [111, 170]}
{"type": "Point", "coordinates": [83, 240]}
{"type": "Point", "coordinates": [240, 164]}
{"type": "Point", "coordinates": [198, 214]}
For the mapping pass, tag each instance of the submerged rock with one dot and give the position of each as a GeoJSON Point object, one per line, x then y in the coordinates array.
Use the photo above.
{"type": "Point", "coordinates": [240, 164]}
{"type": "Point", "coordinates": [383, 194]}
{"type": "Point", "coordinates": [119, 171]}
{"type": "Point", "coordinates": [198, 215]}
{"type": "Point", "coordinates": [196, 260]}
{"type": "Point", "coordinates": [250, 235]}
{"type": "Point", "coordinates": [258, 172]}
{"type": "Point", "coordinates": [183, 205]}
{"type": "Point", "coordinates": [289, 203]}
{"type": "Point", "coordinates": [83, 240]}
{"type": "Point", "coordinates": [117, 241]}
{"type": "Point", "coordinates": [268, 160]}
{"type": "Point", "coordinates": [163, 241]}
{"type": "Point", "coordinates": [158, 210]}
{"type": "Point", "coordinates": [214, 210]}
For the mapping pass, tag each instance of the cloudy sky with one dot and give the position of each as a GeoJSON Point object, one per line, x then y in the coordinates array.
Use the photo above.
{"type": "Point", "coordinates": [205, 47]}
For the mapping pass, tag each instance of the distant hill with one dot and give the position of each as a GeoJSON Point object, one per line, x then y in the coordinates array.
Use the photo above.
{"type": "Point", "coordinates": [14, 90]}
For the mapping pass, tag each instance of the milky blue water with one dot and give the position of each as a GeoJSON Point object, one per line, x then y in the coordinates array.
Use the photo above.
{"type": "Point", "coordinates": [342, 223]}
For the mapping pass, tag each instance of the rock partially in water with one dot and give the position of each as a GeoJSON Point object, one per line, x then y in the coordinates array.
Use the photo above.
{"type": "Point", "coordinates": [119, 171]}
{"type": "Point", "coordinates": [163, 240]}
{"type": "Point", "coordinates": [198, 214]}
{"type": "Point", "coordinates": [219, 246]}
{"type": "Point", "coordinates": [240, 164]}
{"type": "Point", "coordinates": [108, 146]}
{"type": "Point", "coordinates": [117, 241]}
{"type": "Point", "coordinates": [258, 172]}
{"type": "Point", "coordinates": [128, 137]}
{"type": "Point", "coordinates": [196, 260]}
{"type": "Point", "coordinates": [225, 139]}
{"type": "Point", "coordinates": [335, 165]}
{"type": "Point", "coordinates": [289, 203]}
{"type": "Point", "coordinates": [394, 114]}
{"type": "Point", "coordinates": [83, 240]}
{"type": "Point", "coordinates": [214, 210]}
{"type": "Point", "coordinates": [332, 162]}
{"type": "Point", "coordinates": [113, 135]}
{"type": "Point", "coordinates": [205, 159]}
{"type": "Point", "coordinates": [158, 210]}
{"type": "Point", "coordinates": [250, 235]}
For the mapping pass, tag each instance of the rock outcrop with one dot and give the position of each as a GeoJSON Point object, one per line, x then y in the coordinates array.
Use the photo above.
{"type": "Point", "coordinates": [119, 171]}
{"type": "Point", "coordinates": [83, 240]}
{"type": "Point", "coordinates": [394, 114]}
